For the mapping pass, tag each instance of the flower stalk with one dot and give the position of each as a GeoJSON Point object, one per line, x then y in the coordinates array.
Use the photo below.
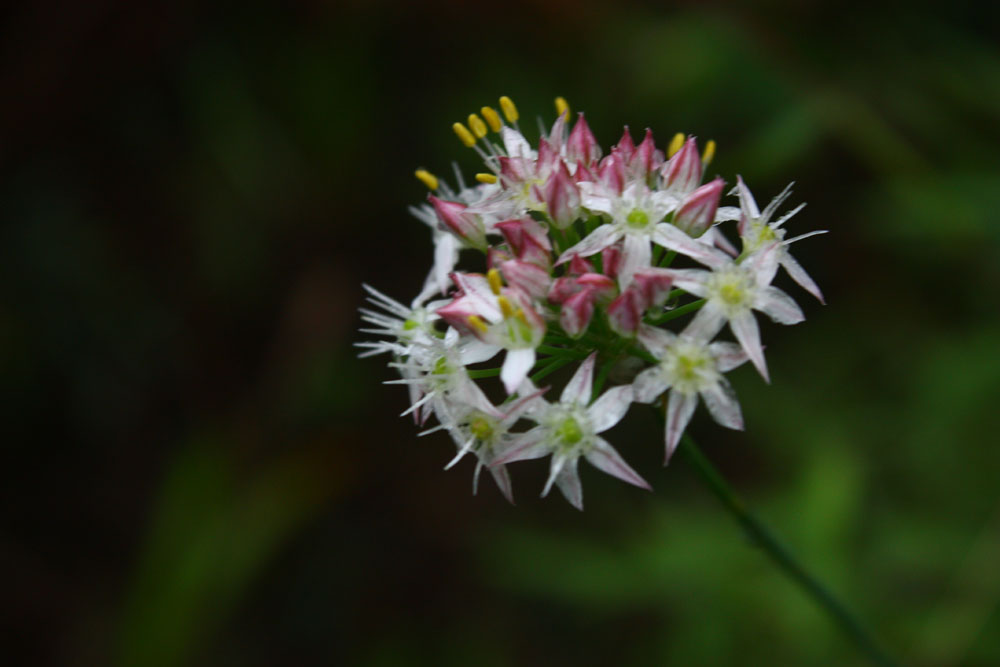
{"type": "Point", "coordinates": [762, 536]}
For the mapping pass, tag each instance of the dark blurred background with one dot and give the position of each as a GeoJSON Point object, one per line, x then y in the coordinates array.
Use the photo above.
{"type": "Point", "coordinates": [197, 470]}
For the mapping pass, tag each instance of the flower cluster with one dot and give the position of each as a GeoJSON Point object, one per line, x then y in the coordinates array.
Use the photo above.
{"type": "Point", "coordinates": [587, 258]}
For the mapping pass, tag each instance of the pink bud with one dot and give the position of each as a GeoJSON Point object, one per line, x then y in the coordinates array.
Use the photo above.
{"type": "Point", "coordinates": [697, 212]}
{"type": "Point", "coordinates": [625, 146]}
{"type": "Point", "coordinates": [562, 289]}
{"type": "Point", "coordinates": [526, 276]}
{"type": "Point", "coordinates": [578, 265]}
{"type": "Point", "coordinates": [625, 313]}
{"type": "Point", "coordinates": [611, 260]}
{"type": "Point", "coordinates": [576, 313]}
{"type": "Point", "coordinates": [547, 156]}
{"type": "Point", "coordinates": [513, 171]}
{"type": "Point", "coordinates": [457, 315]}
{"type": "Point", "coordinates": [533, 251]}
{"type": "Point", "coordinates": [653, 286]}
{"type": "Point", "coordinates": [682, 173]}
{"type": "Point", "coordinates": [582, 146]}
{"type": "Point", "coordinates": [583, 173]}
{"type": "Point", "coordinates": [604, 287]}
{"type": "Point", "coordinates": [562, 197]}
{"type": "Point", "coordinates": [466, 226]}
{"type": "Point", "coordinates": [494, 256]}
{"type": "Point", "coordinates": [645, 158]}
{"type": "Point", "coordinates": [611, 171]}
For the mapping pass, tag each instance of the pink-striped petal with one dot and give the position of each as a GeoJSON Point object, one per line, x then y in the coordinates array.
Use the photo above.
{"type": "Point", "coordinates": [578, 389]}
{"type": "Point", "coordinates": [745, 328]}
{"type": "Point", "coordinates": [720, 399]}
{"type": "Point", "coordinates": [604, 457]}
{"type": "Point", "coordinates": [609, 409]}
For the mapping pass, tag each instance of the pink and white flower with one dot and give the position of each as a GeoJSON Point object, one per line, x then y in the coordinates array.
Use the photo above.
{"type": "Point", "coordinates": [568, 430]}
{"type": "Point", "coordinates": [689, 367]}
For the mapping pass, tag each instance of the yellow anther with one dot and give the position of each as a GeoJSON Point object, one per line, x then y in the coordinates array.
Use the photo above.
{"type": "Point", "coordinates": [477, 126]}
{"type": "Point", "coordinates": [522, 318]}
{"type": "Point", "coordinates": [509, 110]}
{"type": "Point", "coordinates": [477, 323]}
{"type": "Point", "coordinates": [505, 306]}
{"type": "Point", "coordinates": [462, 132]}
{"type": "Point", "coordinates": [492, 118]}
{"type": "Point", "coordinates": [562, 107]}
{"type": "Point", "coordinates": [427, 178]}
{"type": "Point", "coordinates": [709, 153]}
{"type": "Point", "coordinates": [675, 144]}
{"type": "Point", "coordinates": [496, 282]}
{"type": "Point", "coordinates": [486, 178]}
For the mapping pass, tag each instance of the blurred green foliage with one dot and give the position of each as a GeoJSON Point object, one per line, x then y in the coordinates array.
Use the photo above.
{"type": "Point", "coordinates": [201, 472]}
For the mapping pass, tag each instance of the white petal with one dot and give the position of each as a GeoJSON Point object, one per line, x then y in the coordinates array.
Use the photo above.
{"type": "Point", "coordinates": [530, 445]}
{"type": "Point", "coordinates": [598, 240]}
{"type": "Point", "coordinates": [580, 385]}
{"type": "Point", "coordinates": [720, 399]}
{"type": "Point", "coordinates": [558, 461]}
{"type": "Point", "coordinates": [714, 236]}
{"type": "Point", "coordinates": [609, 409]}
{"type": "Point", "coordinates": [636, 255]}
{"type": "Point", "coordinates": [502, 478]}
{"type": "Point", "coordinates": [568, 482]}
{"type": "Point", "coordinates": [745, 328]}
{"type": "Point", "coordinates": [799, 275]}
{"type": "Point", "coordinates": [693, 281]}
{"type": "Point", "coordinates": [649, 384]}
{"type": "Point", "coordinates": [655, 339]}
{"type": "Point", "coordinates": [727, 213]}
{"type": "Point", "coordinates": [516, 367]}
{"type": "Point", "coordinates": [680, 407]}
{"type": "Point", "coordinates": [445, 258]}
{"type": "Point", "coordinates": [778, 306]}
{"type": "Point", "coordinates": [514, 143]}
{"type": "Point", "coordinates": [776, 202]}
{"type": "Point", "coordinates": [747, 202]}
{"type": "Point", "coordinates": [764, 263]}
{"type": "Point", "coordinates": [462, 452]}
{"type": "Point", "coordinates": [604, 457]}
{"type": "Point", "coordinates": [788, 216]}
{"type": "Point", "coordinates": [672, 238]}
{"type": "Point", "coordinates": [728, 356]}
{"type": "Point", "coordinates": [596, 203]}
{"type": "Point", "coordinates": [475, 351]}
{"type": "Point", "coordinates": [706, 323]}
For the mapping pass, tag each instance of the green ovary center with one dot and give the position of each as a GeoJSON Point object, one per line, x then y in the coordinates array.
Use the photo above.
{"type": "Point", "coordinates": [410, 325]}
{"type": "Point", "coordinates": [687, 367]}
{"type": "Point", "coordinates": [569, 431]}
{"type": "Point", "coordinates": [637, 218]}
{"type": "Point", "coordinates": [481, 427]}
{"type": "Point", "coordinates": [731, 293]}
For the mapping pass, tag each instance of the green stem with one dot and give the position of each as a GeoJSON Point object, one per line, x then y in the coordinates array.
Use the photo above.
{"type": "Point", "coordinates": [551, 368]}
{"type": "Point", "coordinates": [763, 538]}
{"type": "Point", "coordinates": [484, 373]}
{"type": "Point", "coordinates": [678, 312]}
{"type": "Point", "coordinates": [559, 352]}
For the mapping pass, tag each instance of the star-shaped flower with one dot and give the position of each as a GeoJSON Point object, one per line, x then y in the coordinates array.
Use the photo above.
{"type": "Point", "coordinates": [569, 430]}
{"type": "Point", "coordinates": [689, 366]}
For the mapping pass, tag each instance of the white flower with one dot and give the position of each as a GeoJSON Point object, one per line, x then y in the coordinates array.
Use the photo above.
{"type": "Point", "coordinates": [500, 317]}
{"type": "Point", "coordinates": [637, 219]}
{"type": "Point", "coordinates": [756, 231]}
{"type": "Point", "coordinates": [478, 426]}
{"type": "Point", "coordinates": [689, 366]}
{"type": "Point", "coordinates": [569, 429]}
{"type": "Point", "coordinates": [435, 372]}
{"type": "Point", "coordinates": [732, 291]}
